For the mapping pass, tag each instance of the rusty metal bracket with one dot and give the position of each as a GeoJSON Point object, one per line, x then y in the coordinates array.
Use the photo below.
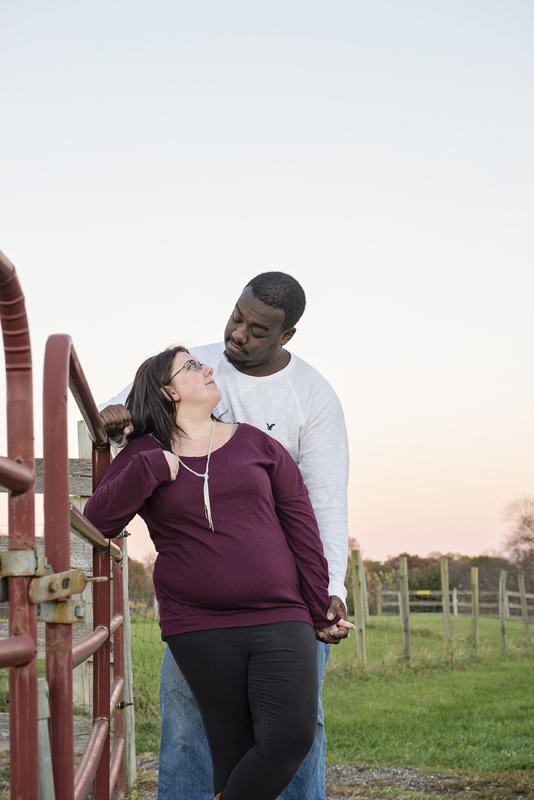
{"type": "Point", "coordinates": [57, 585]}
{"type": "Point", "coordinates": [22, 563]}
{"type": "Point", "coordinates": [64, 612]}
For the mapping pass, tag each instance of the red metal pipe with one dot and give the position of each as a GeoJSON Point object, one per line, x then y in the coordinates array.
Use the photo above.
{"type": "Point", "coordinates": [22, 616]}
{"type": "Point", "coordinates": [90, 759]}
{"type": "Point", "coordinates": [57, 551]}
{"type": "Point", "coordinates": [116, 622]}
{"type": "Point", "coordinates": [116, 762]}
{"type": "Point", "coordinates": [116, 690]}
{"type": "Point", "coordinates": [87, 531]}
{"type": "Point", "coordinates": [17, 651]}
{"type": "Point", "coordinates": [89, 645]}
{"type": "Point", "coordinates": [14, 476]}
{"type": "Point", "coordinates": [82, 394]}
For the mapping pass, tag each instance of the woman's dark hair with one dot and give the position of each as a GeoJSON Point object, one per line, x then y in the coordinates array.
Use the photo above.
{"type": "Point", "coordinates": [154, 410]}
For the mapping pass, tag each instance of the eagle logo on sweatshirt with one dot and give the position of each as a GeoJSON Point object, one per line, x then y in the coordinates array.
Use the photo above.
{"type": "Point", "coordinates": [271, 426]}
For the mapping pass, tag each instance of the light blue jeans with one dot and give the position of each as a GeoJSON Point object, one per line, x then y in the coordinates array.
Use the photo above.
{"type": "Point", "coordinates": [184, 757]}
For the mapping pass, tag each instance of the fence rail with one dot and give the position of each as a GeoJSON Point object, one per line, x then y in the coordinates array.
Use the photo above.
{"type": "Point", "coordinates": [417, 600]}
{"type": "Point", "coordinates": [446, 603]}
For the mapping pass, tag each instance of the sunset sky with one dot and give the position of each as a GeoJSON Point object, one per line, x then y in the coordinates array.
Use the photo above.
{"type": "Point", "coordinates": [157, 155]}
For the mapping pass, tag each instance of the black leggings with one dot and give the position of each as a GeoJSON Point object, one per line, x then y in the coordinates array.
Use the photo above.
{"type": "Point", "coordinates": [256, 689]}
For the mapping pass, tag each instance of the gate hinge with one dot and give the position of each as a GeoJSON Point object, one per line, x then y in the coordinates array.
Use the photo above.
{"type": "Point", "coordinates": [22, 563]}
{"type": "Point", "coordinates": [64, 612]}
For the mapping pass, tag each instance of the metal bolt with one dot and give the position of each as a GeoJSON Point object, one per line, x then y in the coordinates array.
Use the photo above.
{"type": "Point", "coordinates": [53, 586]}
{"type": "Point", "coordinates": [79, 612]}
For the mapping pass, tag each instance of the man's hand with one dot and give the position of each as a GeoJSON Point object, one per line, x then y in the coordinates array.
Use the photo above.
{"type": "Point", "coordinates": [116, 420]}
{"type": "Point", "coordinates": [337, 632]}
{"type": "Point", "coordinates": [332, 635]}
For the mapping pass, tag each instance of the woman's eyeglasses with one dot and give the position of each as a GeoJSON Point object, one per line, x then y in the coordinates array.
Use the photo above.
{"type": "Point", "coordinates": [192, 364]}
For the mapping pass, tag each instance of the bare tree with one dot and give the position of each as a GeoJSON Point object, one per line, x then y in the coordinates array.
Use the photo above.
{"type": "Point", "coordinates": [519, 513]}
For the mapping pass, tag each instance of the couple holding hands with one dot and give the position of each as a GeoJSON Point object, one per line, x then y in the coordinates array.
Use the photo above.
{"type": "Point", "coordinates": [237, 460]}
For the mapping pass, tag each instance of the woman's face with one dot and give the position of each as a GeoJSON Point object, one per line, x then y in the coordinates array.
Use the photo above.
{"type": "Point", "coordinates": [193, 382]}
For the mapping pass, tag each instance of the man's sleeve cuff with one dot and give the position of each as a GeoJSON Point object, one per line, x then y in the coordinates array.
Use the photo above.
{"type": "Point", "coordinates": [338, 589]}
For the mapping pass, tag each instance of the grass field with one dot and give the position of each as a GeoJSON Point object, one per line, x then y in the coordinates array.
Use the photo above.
{"type": "Point", "coordinates": [478, 715]}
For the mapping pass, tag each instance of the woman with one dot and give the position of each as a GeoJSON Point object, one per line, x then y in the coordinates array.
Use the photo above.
{"type": "Point", "coordinates": [240, 577]}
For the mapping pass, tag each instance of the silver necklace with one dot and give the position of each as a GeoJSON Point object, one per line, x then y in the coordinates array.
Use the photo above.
{"type": "Point", "coordinates": [205, 475]}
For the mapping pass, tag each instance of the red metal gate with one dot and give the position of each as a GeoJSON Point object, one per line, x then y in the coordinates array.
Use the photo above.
{"type": "Point", "coordinates": [30, 586]}
{"type": "Point", "coordinates": [61, 371]}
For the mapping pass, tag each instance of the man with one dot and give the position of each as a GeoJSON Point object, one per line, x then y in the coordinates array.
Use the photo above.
{"type": "Point", "coordinates": [266, 386]}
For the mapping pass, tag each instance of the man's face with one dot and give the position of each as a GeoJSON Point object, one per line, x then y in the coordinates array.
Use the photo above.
{"type": "Point", "coordinates": [254, 334]}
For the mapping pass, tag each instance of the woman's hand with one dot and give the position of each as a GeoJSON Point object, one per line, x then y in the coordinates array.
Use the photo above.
{"type": "Point", "coordinates": [173, 462]}
{"type": "Point", "coordinates": [334, 633]}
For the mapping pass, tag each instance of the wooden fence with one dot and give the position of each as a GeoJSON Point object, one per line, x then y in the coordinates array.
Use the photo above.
{"type": "Point", "coordinates": [502, 604]}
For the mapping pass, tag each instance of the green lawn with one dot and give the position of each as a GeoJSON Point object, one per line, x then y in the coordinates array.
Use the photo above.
{"type": "Point", "coordinates": [479, 716]}
{"type": "Point", "coordinates": [147, 655]}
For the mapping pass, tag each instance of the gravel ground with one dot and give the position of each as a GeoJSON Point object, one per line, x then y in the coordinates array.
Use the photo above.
{"type": "Point", "coordinates": [345, 781]}
{"type": "Point", "coordinates": [349, 782]}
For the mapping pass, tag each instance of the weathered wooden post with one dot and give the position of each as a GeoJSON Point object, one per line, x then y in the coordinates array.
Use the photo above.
{"type": "Point", "coordinates": [365, 592]}
{"type": "Point", "coordinates": [129, 717]}
{"type": "Point", "coordinates": [379, 598]}
{"type": "Point", "coordinates": [455, 602]}
{"type": "Point", "coordinates": [447, 635]}
{"type": "Point", "coordinates": [475, 628]}
{"type": "Point", "coordinates": [524, 607]}
{"type": "Point", "coordinates": [359, 612]}
{"type": "Point", "coordinates": [502, 609]}
{"type": "Point", "coordinates": [46, 776]}
{"type": "Point", "coordinates": [404, 599]}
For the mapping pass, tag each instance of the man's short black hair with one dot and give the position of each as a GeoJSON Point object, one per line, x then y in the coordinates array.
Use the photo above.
{"type": "Point", "coordinates": [280, 290]}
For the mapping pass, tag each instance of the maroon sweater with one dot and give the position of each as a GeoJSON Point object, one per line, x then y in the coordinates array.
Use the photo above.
{"type": "Point", "coordinates": [263, 562]}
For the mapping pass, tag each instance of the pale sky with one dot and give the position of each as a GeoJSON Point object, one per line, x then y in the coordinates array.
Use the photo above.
{"type": "Point", "coordinates": [157, 155]}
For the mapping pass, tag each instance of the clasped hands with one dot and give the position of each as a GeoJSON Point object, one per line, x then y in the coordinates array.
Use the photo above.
{"type": "Point", "coordinates": [333, 634]}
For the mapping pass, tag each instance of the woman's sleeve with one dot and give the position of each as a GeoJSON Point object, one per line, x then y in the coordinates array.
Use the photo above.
{"type": "Point", "coordinates": [296, 516]}
{"type": "Point", "coordinates": [127, 484]}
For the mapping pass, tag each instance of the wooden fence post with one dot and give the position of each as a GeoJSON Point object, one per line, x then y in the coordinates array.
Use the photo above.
{"type": "Point", "coordinates": [46, 776]}
{"type": "Point", "coordinates": [129, 718]}
{"type": "Point", "coordinates": [365, 593]}
{"type": "Point", "coordinates": [475, 628]}
{"type": "Point", "coordinates": [404, 598]}
{"type": "Point", "coordinates": [455, 602]}
{"type": "Point", "coordinates": [379, 598]}
{"type": "Point", "coordinates": [502, 609]}
{"type": "Point", "coordinates": [83, 673]}
{"type": "Point", "coordinates": [447, 636]}
{"type": "Point", "coordinates": [359, 608]}
{"type": "Point", "coordinates": [524, 607]}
